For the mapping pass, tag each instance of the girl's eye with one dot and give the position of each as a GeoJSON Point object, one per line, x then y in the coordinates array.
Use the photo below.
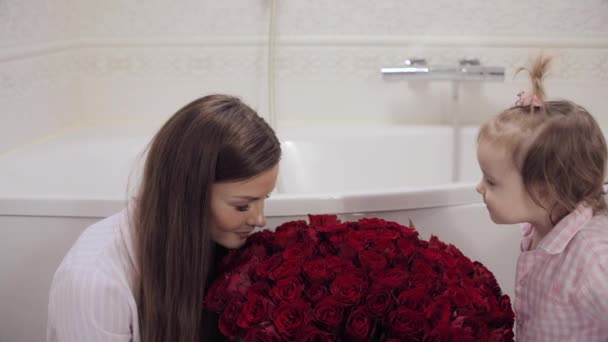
{"type": "Point", "coordinates": [242, 207]}
{"type": "Point", "coordinates": [490, 183]}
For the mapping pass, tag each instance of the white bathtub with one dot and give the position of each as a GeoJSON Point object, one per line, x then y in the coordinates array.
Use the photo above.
{"type": "Point", "coordinates": [51, 190]}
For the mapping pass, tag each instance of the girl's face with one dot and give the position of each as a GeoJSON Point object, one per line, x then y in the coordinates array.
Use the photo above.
{"type": "Point", "coordinates": [238, 207]}
{"type": "Point", "coordinates": [503, 189]}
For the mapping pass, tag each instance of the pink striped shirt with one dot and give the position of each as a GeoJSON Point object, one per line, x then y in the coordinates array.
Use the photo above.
{"type": "Point", "coordinates": [561, 290]}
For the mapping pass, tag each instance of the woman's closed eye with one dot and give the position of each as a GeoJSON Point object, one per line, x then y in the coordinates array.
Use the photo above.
{"type": "Point", "coordinates": [247, 206]}
{"type": "Point", "coordinates": [242, 207]}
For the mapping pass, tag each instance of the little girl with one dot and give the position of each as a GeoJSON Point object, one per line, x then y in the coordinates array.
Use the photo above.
{"type": "Point", "coordinates": [543, 165]}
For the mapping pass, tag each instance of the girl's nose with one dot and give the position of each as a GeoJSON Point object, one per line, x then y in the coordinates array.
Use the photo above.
{"type": "Point", "coordinates": [479, 188]}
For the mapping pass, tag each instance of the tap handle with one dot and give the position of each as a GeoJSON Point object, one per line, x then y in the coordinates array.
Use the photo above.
{"type": "Point", "coordinates": [415, 61]}
{"type": "Point", "coordinates": [469, 62]}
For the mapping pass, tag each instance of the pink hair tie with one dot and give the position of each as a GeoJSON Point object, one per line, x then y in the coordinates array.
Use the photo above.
{"type": "Point", "coordinates": [526, 99]}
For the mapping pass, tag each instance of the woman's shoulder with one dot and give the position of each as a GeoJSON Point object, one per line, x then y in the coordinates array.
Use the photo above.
{"type": "Point", "coordinates": [98, 250]}
{"type": "Point", "coordinates": [92, 292]}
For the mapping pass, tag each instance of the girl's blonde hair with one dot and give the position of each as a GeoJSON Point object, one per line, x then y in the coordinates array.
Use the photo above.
{"type": "Point", "coordinates": [557, 146]}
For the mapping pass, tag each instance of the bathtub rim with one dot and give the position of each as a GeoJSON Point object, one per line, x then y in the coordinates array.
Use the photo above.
{"type": "Point", "coordinates": [278, 205]}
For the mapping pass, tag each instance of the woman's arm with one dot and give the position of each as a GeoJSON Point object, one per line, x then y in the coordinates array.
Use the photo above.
{"type": "Point", "coordinates": [87, 305]}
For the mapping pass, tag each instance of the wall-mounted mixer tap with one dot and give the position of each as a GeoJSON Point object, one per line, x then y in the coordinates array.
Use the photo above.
{"type": "Point", "coordinates": [466, 70]}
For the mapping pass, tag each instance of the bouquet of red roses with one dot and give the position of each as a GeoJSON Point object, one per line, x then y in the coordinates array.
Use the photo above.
{"type": "Point", "coordinates": [370, 280]}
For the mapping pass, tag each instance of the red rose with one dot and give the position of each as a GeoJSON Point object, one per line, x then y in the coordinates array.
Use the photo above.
{"type": "Point", "coordinates": [298, 252]}
{"type": "Point", "coordinates": [439, 311]}
{"type": "Point", "coordinates": [339, 264]}
{"type": "Point", "coordinates": [261, 288]}
{"type": "Point", "coordinates": [385, 234]}
{"type": "Point", "coordinates": [317, 221]}
{"type": "Point", "coordinates": [288, 233]}
{"type": "Point", "coordinates": [390, 278]}
{"type": "Point", "coordinates": [431, 281]}
{"type": "Point", "coordinates": [237, 282]}
{"type": "Point", "coordinates": [318, 270]}
{"type": "Point", "coordinates": [435, 243]}
{"type": "Point", "coordinates": [439, 257]}
{"type": "Point", "coordinates": [370, 235]}
{"type": "Point", "coordinates": [421, 265]}
{"type": "Point", "coordinates": [480, 303]}
{"type": "Point", "coordinates": [288, 289]}
{"type": "Point", "coordinates": [501, 335]}
{"type": "Point", "coordinates": [415, 299]}
{"type": "Point", "coordinates": [338, 238]}
{"type": "Point", "coordinates": [254, 249]}
{"type": "Point", "coordinates": [312, 334]}
{"type": "Point", "coordinates": [372, 260]}
{"type": "Point", "coordinates": [385, 247]}
{"type": "Point", "coordinates": [328, 313]}
{"type": "Point", "coordinates": [406, 246]}
{"type": "Point", "coordinates": [290, 318]}
{"type": "Point", "coordinates": [255, 310]}
{"type": "Point", "coordinates": [335, 229]}
{"type": "Point", "coordinates": [505, 311]}
{"type": "Point", "coordinates": [348, 252]}
{"type": "Point", "coordinates": [406, 232]}
{"type": "Point", "coordinates": [473, 328]}
{"type": "Point", "coordinates": [286, 269]}
{"type": "Point", "coordinates": [464, 263]}
{"type": "Point", "coordinates": [217, 297]}
{"type": "Point", "coordinates": [310, 237]}
{"type": "Point", "coordinates": [265, 267]}
{"type": "Point", "coordinates": [327, 248]}
{"type": "Point", "coordinates": [372, 223]}
{"type": "Point", "coordinates": [425, 273]}
{"type": "Point", "coordinates": [264, 237]}
{"type": "Point", "coordinates": [359, 326]}
{"type": "Point", "coordinates": [444, 333]}
{"type": "Point", "coordinates": [459, 297]}
{"type": "Point", "coordinates": [228, 319]}
{"type": "Point", "coordinates": [348, 288]}
{"type": "Point", "coordinates": [483, 276]}
{"type": "Point", "coordinates": [407, 324]}
{"type": "Point", "coordinates": [453, 276]}
{"type": "Point", "coordinates": [357, 240]}
{"type": "Point", "coordinates": [262, 333]}
{"type": "Point", "coordinates": [379, 303]}
{"type": "Point", "coordinates": [316, 292]}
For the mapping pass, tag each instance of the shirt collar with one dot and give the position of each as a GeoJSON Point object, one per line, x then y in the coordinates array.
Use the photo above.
{"type": "Point", "coordinates": [558, 238]}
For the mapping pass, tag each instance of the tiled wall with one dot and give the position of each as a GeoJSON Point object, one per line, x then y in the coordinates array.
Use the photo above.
{"type": "Point", "coordinates": [124, 60]}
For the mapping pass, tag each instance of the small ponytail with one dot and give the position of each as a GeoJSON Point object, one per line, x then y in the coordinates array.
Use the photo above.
{"type": "Point", "coordinates": [537, 72]}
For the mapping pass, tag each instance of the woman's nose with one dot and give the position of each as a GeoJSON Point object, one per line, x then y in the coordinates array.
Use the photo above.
{"type": "Point", "coordinates": [257, 216]}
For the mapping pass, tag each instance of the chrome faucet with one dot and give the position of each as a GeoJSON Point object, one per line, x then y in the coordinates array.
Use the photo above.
{"type": "Point", "coordinates": [466, 70]}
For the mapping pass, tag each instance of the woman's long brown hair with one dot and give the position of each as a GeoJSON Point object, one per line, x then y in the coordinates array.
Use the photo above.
{"type": "Point", "coordinates": [212, 139]}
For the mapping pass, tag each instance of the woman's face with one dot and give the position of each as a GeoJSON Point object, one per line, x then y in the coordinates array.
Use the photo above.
{"type": "Point", "coordinates": [238, 207]}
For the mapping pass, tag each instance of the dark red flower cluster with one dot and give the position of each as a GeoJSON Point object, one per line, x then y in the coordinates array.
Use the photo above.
{"type": "Point", "coordinates": [370, 280]}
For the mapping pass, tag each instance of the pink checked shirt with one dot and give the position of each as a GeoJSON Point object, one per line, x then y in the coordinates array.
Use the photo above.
{"type": "Point", "coordinates": [561, 290]}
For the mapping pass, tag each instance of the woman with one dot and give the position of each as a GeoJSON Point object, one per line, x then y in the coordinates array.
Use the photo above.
{"type": "Point", "coordinates": [141, 274]}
